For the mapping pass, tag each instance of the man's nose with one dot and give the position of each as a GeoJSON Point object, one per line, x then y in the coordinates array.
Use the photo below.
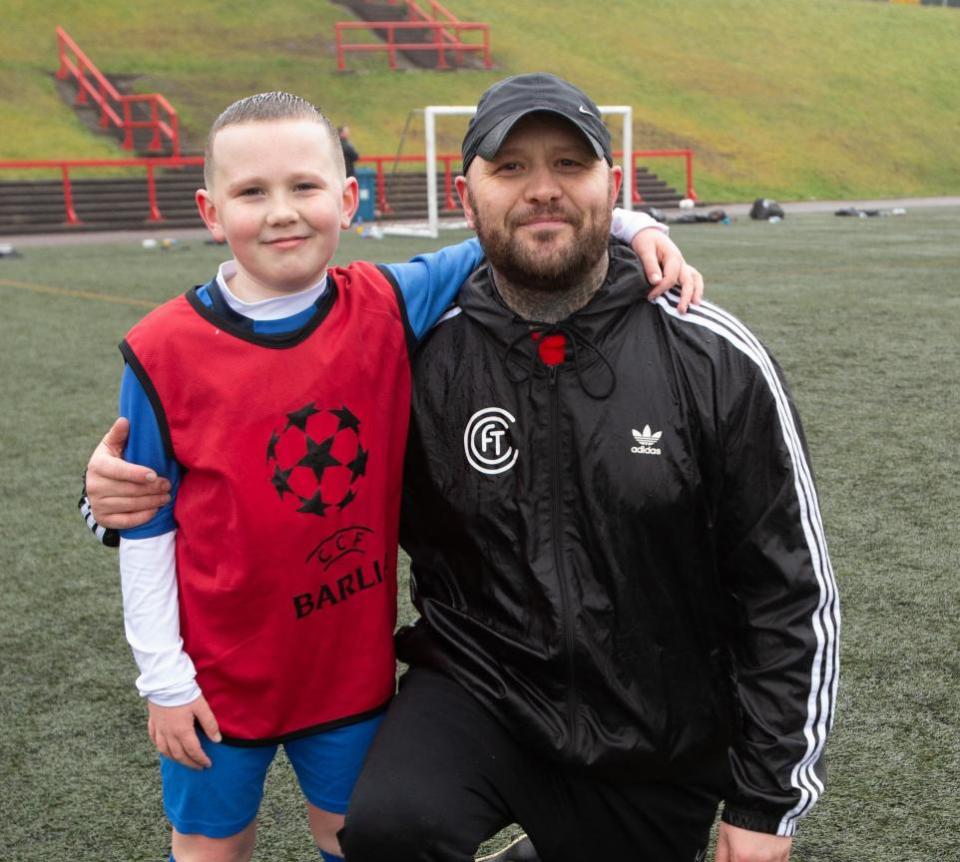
{"type": "Point", "coordinates": [542, 185]}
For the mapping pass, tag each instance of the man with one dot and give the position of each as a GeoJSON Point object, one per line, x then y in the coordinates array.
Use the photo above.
{"type": "Point", "coordinates": [627, 612]}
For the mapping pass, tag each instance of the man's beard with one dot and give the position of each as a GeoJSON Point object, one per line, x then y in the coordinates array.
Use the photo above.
{"type": "Point", "coordinates": [537, 265]}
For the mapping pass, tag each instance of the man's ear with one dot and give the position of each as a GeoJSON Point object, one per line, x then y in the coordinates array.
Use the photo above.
{"type": "Point", "coordinates": [461, 184]}
{"type": "Point", "coordinates": [351, 200]}
{"type": "Point", "coordinates": [616, 181]}
{"type": "Point", "coordinates": [208, 212]}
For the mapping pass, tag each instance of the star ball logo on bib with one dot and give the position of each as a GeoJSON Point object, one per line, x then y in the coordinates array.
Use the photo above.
{"type": "Point", "coordinates": [487, 443]}
{"type": "Point", "coordinates": [318, 459]}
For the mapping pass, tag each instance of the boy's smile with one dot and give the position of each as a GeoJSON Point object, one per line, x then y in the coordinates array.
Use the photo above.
{"type": "Point", "coordinates": [280, 199]}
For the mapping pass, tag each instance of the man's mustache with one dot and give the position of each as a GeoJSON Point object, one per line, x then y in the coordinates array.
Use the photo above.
{"type": "Point", "coordinates": [551, 212]}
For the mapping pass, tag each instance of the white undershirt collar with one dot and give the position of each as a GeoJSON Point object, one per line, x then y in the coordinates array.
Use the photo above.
{"type": "Point", "coordinates": [275, 308]}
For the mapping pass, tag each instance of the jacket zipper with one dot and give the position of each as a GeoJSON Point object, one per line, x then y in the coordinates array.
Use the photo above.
{"type": "Point", "coordinates": [567, 611]}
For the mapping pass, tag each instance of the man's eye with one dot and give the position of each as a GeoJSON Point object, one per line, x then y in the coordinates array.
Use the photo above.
{"type": "Point", "coordinates": [509, 167]}
{"type": "Point", "coordinates": [568, 163]}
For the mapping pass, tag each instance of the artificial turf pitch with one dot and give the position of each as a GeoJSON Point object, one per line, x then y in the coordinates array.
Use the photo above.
{"type": "Point", "coordinates": [864, 315]}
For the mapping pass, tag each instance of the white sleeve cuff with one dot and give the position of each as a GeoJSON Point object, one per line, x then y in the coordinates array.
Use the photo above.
{"type": "Point", "coordinates": [151, 617]}
{"type": "Point", "coordinates": [187, 693]}
{"type": "Point", "coordinates": [627, 224]}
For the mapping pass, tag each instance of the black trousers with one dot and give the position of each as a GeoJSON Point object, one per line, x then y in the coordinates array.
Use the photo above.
{"type": "Point", "coordinates": [443, 775]}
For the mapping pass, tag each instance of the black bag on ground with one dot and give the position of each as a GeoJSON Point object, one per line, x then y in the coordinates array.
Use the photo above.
{"type": "Point", "coordinates": [765, 208]}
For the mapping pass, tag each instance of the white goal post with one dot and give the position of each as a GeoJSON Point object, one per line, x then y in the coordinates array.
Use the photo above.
{"type": "Point", "coordinates": [431, 112]}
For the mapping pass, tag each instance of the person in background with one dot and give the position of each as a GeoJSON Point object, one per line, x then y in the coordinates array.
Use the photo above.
{"type": "Point", "coordinates": [350, 154]}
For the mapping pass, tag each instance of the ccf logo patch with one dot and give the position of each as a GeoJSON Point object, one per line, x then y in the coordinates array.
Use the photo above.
{"type": "Point", "coordinates": [487, 443]}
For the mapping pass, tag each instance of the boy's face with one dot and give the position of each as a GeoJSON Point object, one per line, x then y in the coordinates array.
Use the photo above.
{"type": "Point", "coordinates": [279, 198]}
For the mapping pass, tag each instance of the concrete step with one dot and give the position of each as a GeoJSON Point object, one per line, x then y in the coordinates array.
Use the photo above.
{"type": "Point", "coordinates": [109, 225]}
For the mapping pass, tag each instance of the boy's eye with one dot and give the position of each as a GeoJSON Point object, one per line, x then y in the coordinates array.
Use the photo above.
{"type": "Point", "coordinates": [306, 187]}
{"type": "Point", "coordinates": [250, 191]}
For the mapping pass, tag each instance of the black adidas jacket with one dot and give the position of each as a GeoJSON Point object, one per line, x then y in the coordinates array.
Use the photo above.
{"type": "Point", "coordinates": [622, 556]}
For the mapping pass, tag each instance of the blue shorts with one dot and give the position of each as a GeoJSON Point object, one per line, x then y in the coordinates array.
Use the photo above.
{"type": "Point", "coordinates": [224, 798]}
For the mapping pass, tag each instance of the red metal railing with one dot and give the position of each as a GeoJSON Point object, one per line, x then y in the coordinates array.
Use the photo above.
{"type": "Point", "coordinates": [447, 32]}
{"type": "Point", "coordinates": [451, 159]}
{"type": "Point", "coordinates": [116, 109]}
{"type": "Point", "coordinates": [383, 206]}
{"type": "Point", "coordinates": [448, 159]}
{"type": "Point", "coordinates": [66, 165]}
{"type": "Point", "coordinates": [437, 12]}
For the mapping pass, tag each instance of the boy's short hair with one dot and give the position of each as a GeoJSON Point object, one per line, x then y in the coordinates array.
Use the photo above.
{"type": "Point", "coordinates": [265, 107]}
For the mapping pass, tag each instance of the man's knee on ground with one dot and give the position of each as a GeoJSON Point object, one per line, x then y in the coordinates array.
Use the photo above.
{"type": "Point", "coordinates": [401, 830]}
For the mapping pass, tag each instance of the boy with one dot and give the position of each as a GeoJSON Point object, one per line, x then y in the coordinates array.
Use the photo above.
{"type": "Point", "coordinates": [275, 399]}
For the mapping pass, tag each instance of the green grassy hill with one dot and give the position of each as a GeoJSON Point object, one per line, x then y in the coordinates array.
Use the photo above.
{"type": "Point", "coordinates": [789, 99]}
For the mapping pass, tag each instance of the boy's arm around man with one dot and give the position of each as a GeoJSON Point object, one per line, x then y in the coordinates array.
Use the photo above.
{"type": "Point", "coordinates": [118, 495]}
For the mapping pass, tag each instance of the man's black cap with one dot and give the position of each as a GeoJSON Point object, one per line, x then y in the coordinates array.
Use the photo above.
{"type": "Point", "coordinates": [509, 100]}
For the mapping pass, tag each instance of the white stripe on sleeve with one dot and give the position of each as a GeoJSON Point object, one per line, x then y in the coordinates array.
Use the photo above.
{"type": "Point", "coordinates": [825, 621]}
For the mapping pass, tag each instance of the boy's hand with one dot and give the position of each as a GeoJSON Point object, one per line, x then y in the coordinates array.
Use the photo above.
{"type": "Point", "coordinates": [172, 730]}
{"type": "Point", "coordinates": [664, 267]}
{"type": "Point", "coordinates": [122, 495]}
{"type": "Point", "coordinates": [742, 845]}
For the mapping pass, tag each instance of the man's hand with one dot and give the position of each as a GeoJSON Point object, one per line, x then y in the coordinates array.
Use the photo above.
{"type": "Point", "coordinates": [122, 495]}
{"type": "Point", "coordinates": [172, 730]}
{"type": "Point", "coordinates": [664, 266]}
{"type": "Point", "coordinates": [742, 845]}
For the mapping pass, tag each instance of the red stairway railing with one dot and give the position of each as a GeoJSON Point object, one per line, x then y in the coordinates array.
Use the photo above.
{"type": "Point", "coordinates": [445, 27]}
{"type": "Point", "coordinates": [115, 108]}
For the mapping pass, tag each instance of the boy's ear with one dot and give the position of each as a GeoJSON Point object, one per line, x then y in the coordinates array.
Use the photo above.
{"type": "Point", "coordinates": [208, 212]}
{"type": "Point", "coordinates": [351, 200]}
{"type": "Point", "coordinates": [461, 184]}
